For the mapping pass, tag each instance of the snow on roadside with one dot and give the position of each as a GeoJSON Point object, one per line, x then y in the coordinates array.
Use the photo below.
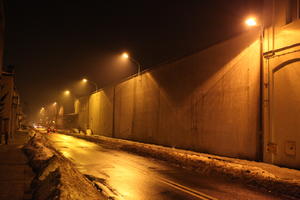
{"type": "Point", "coordinates": [56, 177]}
{"type": "Point", "coordinates": [270, 177]}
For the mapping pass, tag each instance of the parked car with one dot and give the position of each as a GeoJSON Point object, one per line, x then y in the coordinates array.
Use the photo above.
{"type": "Point", "coordinates": [51, 129]}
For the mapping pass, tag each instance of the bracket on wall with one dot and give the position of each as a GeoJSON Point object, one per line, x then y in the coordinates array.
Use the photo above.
{"type": "Point", "coordinates": [272, 148]}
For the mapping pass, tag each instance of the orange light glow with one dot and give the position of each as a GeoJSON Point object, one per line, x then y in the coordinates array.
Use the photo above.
{"type": "Point", "coordinates": [67, 92]}
{"type": "Point", "coordinates": [125, 55]}
{"type": "Point", "coordinates": [251, 22]}
{"type": "Point", "coordinates": [84, 80]}
{"type": "Point", "coordinates": [42, 110]}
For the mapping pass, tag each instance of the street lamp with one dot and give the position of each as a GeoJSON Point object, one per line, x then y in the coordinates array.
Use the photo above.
{"type": "Point", "coordinates": [55, 112]}
{"type": "Point", "coordinates": [42, 110]}
{"type": "Point", "coordinates": [67, 92]}
{"type": "Point", "coordinates": [84, 80]}
{"type": "Point", "coordinates": [125, 55]}
{"type": "Point", "coordinates": [42, 115]}
{"type": "Point", "coordinates": [68, 96]}
{"type": "Point", "coordinates": [251, 21]}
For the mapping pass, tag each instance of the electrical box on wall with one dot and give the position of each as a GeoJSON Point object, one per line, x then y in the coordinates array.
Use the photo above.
{"type": "Point", "coordinates": [272, 148]}
{"type": "Point", "coordinates": [290, 148]}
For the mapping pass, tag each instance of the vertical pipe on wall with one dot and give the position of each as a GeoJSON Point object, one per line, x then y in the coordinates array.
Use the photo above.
{"type": "Point", "coordinates": [273, 35]}
{"type": "Point", "coordinates": [113, 111]}
{"type": "Point", "coordinates": [133, 122]}
{"type": "Point", "coordinates": [267, 157]}
{"type": "Point", "coordinates": [261, 95]}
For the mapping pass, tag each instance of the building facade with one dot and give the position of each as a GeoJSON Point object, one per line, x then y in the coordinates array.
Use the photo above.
{"type": "Point", "coordinates": [11, 113]}
{"type": "Point", "coordinates": [281, 83]}
{"type": "Point", "coordinates": [10, 108]}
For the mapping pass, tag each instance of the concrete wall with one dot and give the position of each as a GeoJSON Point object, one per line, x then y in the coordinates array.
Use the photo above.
{"type": "Point", "coordinates": [81, 108]}
{"type": "Point", "coordinates": [208, 102]}
{"type": "Point", "coordinates": [100, 112]}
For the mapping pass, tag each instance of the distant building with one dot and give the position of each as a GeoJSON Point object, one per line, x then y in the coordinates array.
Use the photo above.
{"type": "Point", "coordinates": [10, 110]}
{"type": "Point", "coordinates": [11, 113]}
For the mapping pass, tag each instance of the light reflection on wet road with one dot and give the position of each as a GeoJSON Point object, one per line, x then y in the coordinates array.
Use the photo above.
{"type": "Point", "coordinates": [135, 177]}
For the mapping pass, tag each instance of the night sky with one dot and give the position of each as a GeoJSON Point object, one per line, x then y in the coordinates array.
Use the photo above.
{"type": "Point", "coordinates": [53, 44]}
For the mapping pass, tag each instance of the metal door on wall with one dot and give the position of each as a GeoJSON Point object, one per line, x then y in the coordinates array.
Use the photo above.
{"type": "Point", "coordinates": [284, 110]}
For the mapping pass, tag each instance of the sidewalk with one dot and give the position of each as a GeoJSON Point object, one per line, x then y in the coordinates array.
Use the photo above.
{"type": "Point", "coordinates": [15, 173]}
{"type": "Point", "coordinates": [258, 174]}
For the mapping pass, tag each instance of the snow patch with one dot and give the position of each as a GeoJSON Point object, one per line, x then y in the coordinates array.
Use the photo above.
{"type": "Point", "coordinates": [56, 177]}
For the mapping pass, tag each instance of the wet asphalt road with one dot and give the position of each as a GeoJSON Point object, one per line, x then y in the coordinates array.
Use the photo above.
{"type": "Point", "coordinates": [133, 177]}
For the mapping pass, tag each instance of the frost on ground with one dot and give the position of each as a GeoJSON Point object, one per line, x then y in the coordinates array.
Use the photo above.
{"type": "Point", "coordinates": [56, 177]}
{"type": "Point", "coordinates": [262, 175]}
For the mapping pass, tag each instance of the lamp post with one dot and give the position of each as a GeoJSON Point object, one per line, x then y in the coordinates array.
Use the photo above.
{"type": "Point", "coordinates": [55, 112]}
{"type": "Point", "coordinates": [125, 55]}
{"type": "Point", "coordinates": [68, 93]}
{"type": "Point", "coordinates": [84, 80]}
{"type": "Point", "coordinates": [42, 115]}
{"type": "Point", "coordinates": [252, 22]}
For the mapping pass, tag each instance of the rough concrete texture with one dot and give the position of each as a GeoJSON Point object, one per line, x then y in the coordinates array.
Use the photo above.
{"type": "Point", "coordinates": [208, 102]}
{"type": "Point", "coordinates": [262, 175]}
{"type": "Point", "coordinates": [56, 178]}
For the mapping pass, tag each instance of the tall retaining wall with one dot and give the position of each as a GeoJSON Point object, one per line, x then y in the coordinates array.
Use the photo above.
{"type": "Point", "coordinates": [208, 102]}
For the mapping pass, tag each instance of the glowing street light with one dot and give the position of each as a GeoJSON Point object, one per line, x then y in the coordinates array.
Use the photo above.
{"type": "Point", "coordinates": [251, 21]}
{"type": "Point", "coordinates": [67, 92]}
{"type": "Point", "coordinates": [55, 112]}
{"type": "Point", "coordinates": [84, 80]}
{"type": "Point", "coordinates": [42, 110]}
{"type": "Point", "coordinates": [125, 55]}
